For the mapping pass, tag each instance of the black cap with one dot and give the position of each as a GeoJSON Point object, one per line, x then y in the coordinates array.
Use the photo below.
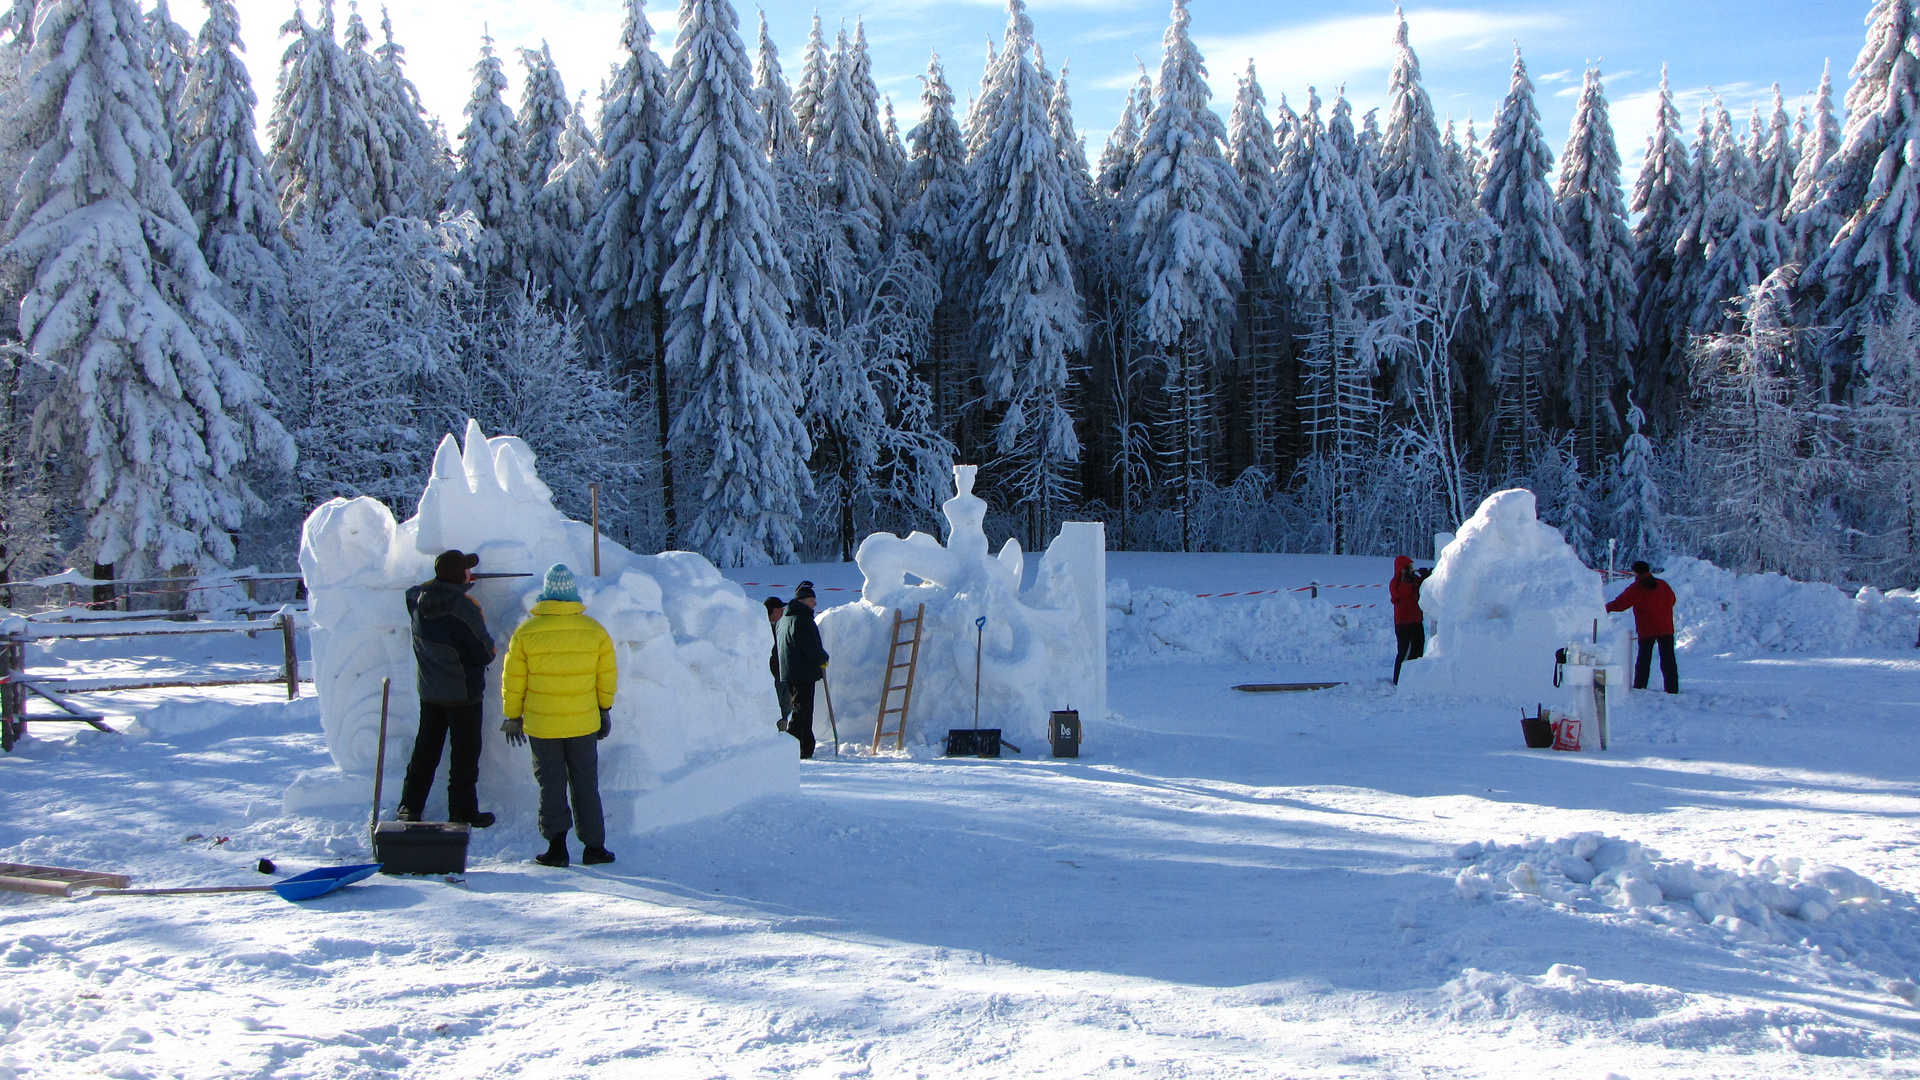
{"type": "Point", "coordinates": [804, 592]}
{"type": "Point", "coordinates": [774, 602]}
{"type": "Point", "coordinates": [1642, 567]}
{"type": "Point", "coordinates": [453, 565]}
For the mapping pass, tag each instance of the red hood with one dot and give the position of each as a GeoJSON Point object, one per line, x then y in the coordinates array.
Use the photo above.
{"type": "Point", "coordinates": [1401, 562]}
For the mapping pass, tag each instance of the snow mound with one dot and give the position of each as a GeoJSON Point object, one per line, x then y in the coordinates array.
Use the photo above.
{"type": "Point", "coordinates": [1044, 648]}
{"type": "Point", "coordinates": [1722, 611]}
{"type": "Point", "coordinates": [693, 731]}
{"type": "Point", "coordinates": [1152, 624]}
{"type": "Point", "coordinates": [1844, 927]}
{"type": "Point", "coordinates": [1505, 594]}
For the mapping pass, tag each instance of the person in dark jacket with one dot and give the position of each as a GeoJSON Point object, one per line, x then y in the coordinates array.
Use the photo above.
{"type": "Point", "coordinates": [451, 651]}
{"type": "Point", "coordinates": [776, 608]}
{"type": "Point", "coordinates": [1409, 622]}
{"type": "Point", "coordinates": [1652, 603]}
{"type": "Point", "coordinates": [802, 661]}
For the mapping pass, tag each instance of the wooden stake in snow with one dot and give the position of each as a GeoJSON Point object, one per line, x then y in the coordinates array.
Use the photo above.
{"type": "Point", "coordinates": [380, 761]}
{"type": "Point", "coordinates": [594, 491]}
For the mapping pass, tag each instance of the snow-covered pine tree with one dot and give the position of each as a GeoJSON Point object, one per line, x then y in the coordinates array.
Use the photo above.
{"type": "Point", "coordinates": [727, 289]}
{"type": "Point", "coordinates": [619, 259]}
{"type": "Point", "coordinates": [1413, 185]}
{"type": "Point", "coordinates": [1535, 273]}
{"type": "Point", "coordinates": [153, 405]}
{"type": "Point", "coordinates": [1185, 242]}
{"type": "Point", "coordinates": [1741, 245]}
{"type": "Point", "coordinates": [937, 193]}
{"type": "Point", "coordinates": [1252, 149]}
{"type": "Point", "coordinates": [1326, 248]}
{"type": "Point", "coordinates": [1810, 218]}
{"type": "Point", "coordinates": [1073, 157]}
{"type": "Point", "coordinates": [1116, 158]}
{"type": "Point", "coordinates": [866, 95]}
{"type": "Point", "coordinates": [1598, 332]}
{"type": "Point", "coordinates": [222, 175]}
{"type": "Point", "coordinates": [1871, 190]}
{"type": "Point", "coordinates": [17, 22]}
{"type": "Point", "coordinates": [1259, 343]}
{"type": "Point", "coordinates": [784, 137]}
{"type": "Point", "coordinates": [169, 53]}
{"type": "Point", "coordinates": [545, 112]}
{"type": "Point", "coordinates": [560, 213]}
{"type": "Point", "coordinates": [491, 182]}
{"type": "Point", "coordinates": [323, 143]}
{"type": "Point", "coordinates": [1635, 519]}
{"type": "Point", "coordinates": [1777, 161]}
{"type": "Point", "coordinates": [847, 158]}
{"type": "Point", "coordinates": [813, 81]}
{"type": "Point", "coordinates": [1661, 199]}
{"type": "Point", "coordinates": [1886, 422]}
{"type": "Point", "coordinates": [1030, 314]}
{"type": "Point", "coordinates": [417, 146]}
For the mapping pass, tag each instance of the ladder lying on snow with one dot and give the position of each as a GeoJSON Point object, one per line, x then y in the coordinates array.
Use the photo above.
{"type": "Point", "coordinates": [905, 689]}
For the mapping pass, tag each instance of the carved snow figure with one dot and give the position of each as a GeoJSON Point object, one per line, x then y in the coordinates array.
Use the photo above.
{"type": "Point", "coordinates": [1044, 648]}
{"type": "Point", "coordinates": [693, 730]}
{"type": "Point", "coordinates": [1506, 593]}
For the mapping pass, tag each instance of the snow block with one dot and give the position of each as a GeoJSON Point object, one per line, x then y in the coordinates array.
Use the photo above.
{"type": "Point", "coordinates": [1044, 647]}
{"type": "Point", "coordinates": [693, 722]}
{"type": "Point", "coordinates": [1506, 593]}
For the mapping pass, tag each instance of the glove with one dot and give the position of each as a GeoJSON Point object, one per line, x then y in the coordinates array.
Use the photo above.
{"type": "Point", "coordinates": [515, 731]}
{"type": "Point", "coordinates": [606, 725]}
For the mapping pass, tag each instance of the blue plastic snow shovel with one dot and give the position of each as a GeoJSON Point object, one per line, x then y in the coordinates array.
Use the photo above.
{"type": "Point", "coordinates": [323, 881]}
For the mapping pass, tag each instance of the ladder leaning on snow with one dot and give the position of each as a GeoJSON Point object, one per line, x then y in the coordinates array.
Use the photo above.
{"type": "Point", "coordinates": [888, 687]}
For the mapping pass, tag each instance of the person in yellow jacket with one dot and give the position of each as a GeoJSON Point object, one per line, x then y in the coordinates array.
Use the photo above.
{"type": "Point", "coordinates": [557, 689]}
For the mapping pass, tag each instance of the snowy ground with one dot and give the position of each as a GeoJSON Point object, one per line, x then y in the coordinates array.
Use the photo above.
{"type": "Point", "coordinates": [1225, 884]}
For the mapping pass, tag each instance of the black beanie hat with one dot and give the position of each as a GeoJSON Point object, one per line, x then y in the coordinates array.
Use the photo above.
{"type": "Point", "coordinates": [453, 565]}
{"type": "Point", "coordinates": [1642, 567]}
{"type": "Point", "coordinates": [804, 592]}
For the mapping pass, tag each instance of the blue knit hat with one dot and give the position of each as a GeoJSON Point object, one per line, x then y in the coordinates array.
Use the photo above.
{"type": "Point", "coordinates": [559, 584]}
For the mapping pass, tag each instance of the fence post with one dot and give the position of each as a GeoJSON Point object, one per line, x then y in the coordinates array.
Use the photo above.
{"type": "Point", "coordinates": [594, 490]}
{"type": "Point", "coordinates": [293, 656]}
{"type": "Point", "coordinates": [13, 696]}
{"type": "Point", "coordinates": [1315, 586]}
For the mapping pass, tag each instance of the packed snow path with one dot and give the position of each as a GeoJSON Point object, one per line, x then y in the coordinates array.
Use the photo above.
{"type": "Point", "coordinates": [1226, 885]}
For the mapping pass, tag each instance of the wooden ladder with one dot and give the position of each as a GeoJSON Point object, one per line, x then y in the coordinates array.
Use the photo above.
{"type": "Point", "coordinates": [888, 688]}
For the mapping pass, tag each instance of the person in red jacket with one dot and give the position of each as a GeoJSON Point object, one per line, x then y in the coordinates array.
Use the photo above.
{"type": "Point", "coordinates": [1409, 622]}
{"type": "Point", "coordinates": [1652, 602]}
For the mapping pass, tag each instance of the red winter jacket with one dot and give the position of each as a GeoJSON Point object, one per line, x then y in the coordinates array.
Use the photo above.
{"type": "Point", "coordinates": [1405, 594]}
{"type": "Point", "coordinates": [1652, 608]}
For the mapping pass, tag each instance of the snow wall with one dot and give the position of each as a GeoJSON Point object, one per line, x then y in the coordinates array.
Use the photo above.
{"type": "Point", "coordinates": [1044, 647]}
{"type": "Point", "coordinates": [1505, 594]}
{"type": "Point", "coordinates": [693, 731]}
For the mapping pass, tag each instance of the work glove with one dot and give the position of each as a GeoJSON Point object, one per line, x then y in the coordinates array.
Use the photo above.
{"type": "Point", "coordinates": [606, 725]}
{"type": "Point", "coordinates": [515, 731]}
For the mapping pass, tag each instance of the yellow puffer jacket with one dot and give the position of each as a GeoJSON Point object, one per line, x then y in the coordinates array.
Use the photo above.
{"type": "Point", "coordinates": [560, 672]}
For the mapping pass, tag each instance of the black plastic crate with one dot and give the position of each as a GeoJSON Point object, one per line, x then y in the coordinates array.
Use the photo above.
{"type": "Point", "coordinates": [421, 847]}
{"type": "Point", "coordinates": [973, 742]}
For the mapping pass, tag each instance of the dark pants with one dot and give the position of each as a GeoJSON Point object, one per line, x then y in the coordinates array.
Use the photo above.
{"type": "Point", "coordinates": [800, 724]}
{"type": "Point", "coordinates": [570, 766]}
{"type": "Point", "coordinates": [460, 725]}
{"type": "Point", "coordinates": [1669, 668]}
{"type": "Point", "coordinates": [785, 694]}
{"type": "Point", "coordinates": [1411, 639]}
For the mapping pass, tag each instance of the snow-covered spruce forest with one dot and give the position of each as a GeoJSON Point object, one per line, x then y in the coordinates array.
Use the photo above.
{"type": "Point", "coordinates": [766, 314]}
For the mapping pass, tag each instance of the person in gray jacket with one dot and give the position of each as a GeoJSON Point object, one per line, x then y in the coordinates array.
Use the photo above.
{"type": "Point", "coordinates": [451, 651]}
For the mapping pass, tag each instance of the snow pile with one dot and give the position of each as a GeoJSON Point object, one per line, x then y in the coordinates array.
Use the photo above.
{"type": "Point", "coordinates": [1043, 649]}
{"type": "Point", "coordinates": [1719, 610]}
{"type": "Point", "coordinates": [693, 729]}
{"type": "Point", "coordinates": [1505, 594]}
{"type": "Point", "coordinates": [1152, 624]}
{"type": "Point", "coordinates": [1833, 915]}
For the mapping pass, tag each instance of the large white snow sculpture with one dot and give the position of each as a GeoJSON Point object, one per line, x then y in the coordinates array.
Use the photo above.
{"type": "Point", "coordinates": [1506, 593]}
{"type": "Point", "coordinates": [1044, 648]}
{"type": "Point", "coordinates": [693, 731]}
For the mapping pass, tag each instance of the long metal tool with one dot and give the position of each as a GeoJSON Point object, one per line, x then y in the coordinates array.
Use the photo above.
{"type": "Point", "coordinates": [831, 722]}
{"type": "Point", "coordinates": [979, 638]}
{"type": "Point", "coordinates": [380, 762]}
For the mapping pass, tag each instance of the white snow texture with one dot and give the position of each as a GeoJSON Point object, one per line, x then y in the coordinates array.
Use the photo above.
{"type": "Point", "coordinates": [1043, 649]}
{"type": "Point", "coordinates": [1504, 595]}
{"type": "Point", "coordinates": [693, 731]}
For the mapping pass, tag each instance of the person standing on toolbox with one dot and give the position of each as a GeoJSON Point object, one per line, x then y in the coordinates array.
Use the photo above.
{"type": "Point", "coordinates": [558, 690]}
{"type": "Point", "coordinates": [451, 651]}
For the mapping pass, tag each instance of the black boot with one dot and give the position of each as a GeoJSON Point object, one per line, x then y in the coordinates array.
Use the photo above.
{"type": "Point", "coordinates": [556, 853]}
{"type": "Point", "coordinates": [479, 819]}
{"type": "Point", "coordinates": [595, 855]}
{"type": "Point", "coordinates": [407, 813]}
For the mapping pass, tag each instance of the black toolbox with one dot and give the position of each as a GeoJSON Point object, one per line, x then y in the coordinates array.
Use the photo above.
{"type": "Point", "coordinates": [1063, 731]}
{"type": "Point", "coordinates": [421, 847]}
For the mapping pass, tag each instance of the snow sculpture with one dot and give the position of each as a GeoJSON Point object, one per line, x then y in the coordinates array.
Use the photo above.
{"type": "Point", "coordinates": [693, 731]}
{"type": "Point", "coordinates": [1506, 593]}
{"type": "Point", "coordinates": [1044, 648]}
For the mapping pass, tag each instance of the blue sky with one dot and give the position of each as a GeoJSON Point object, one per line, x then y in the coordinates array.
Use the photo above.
{"type": "Point", "coordinates": [1739, 49]}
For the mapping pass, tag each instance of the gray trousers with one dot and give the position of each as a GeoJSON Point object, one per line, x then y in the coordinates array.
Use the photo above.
{"type": "Point", "coordinates": [564, 766]}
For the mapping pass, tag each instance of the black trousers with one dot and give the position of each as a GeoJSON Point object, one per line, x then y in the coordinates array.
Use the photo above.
{"type": "Point", "coordinates": [566, 767]}
{"type": "Point", "coordinates": [1669, 667]}
{"type": "Point", "coordinates": [800, 724]}
{"type": "Point", "coordinates": [439, 724]}
{"type": "Point", "coordinates": [1411, 642]}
